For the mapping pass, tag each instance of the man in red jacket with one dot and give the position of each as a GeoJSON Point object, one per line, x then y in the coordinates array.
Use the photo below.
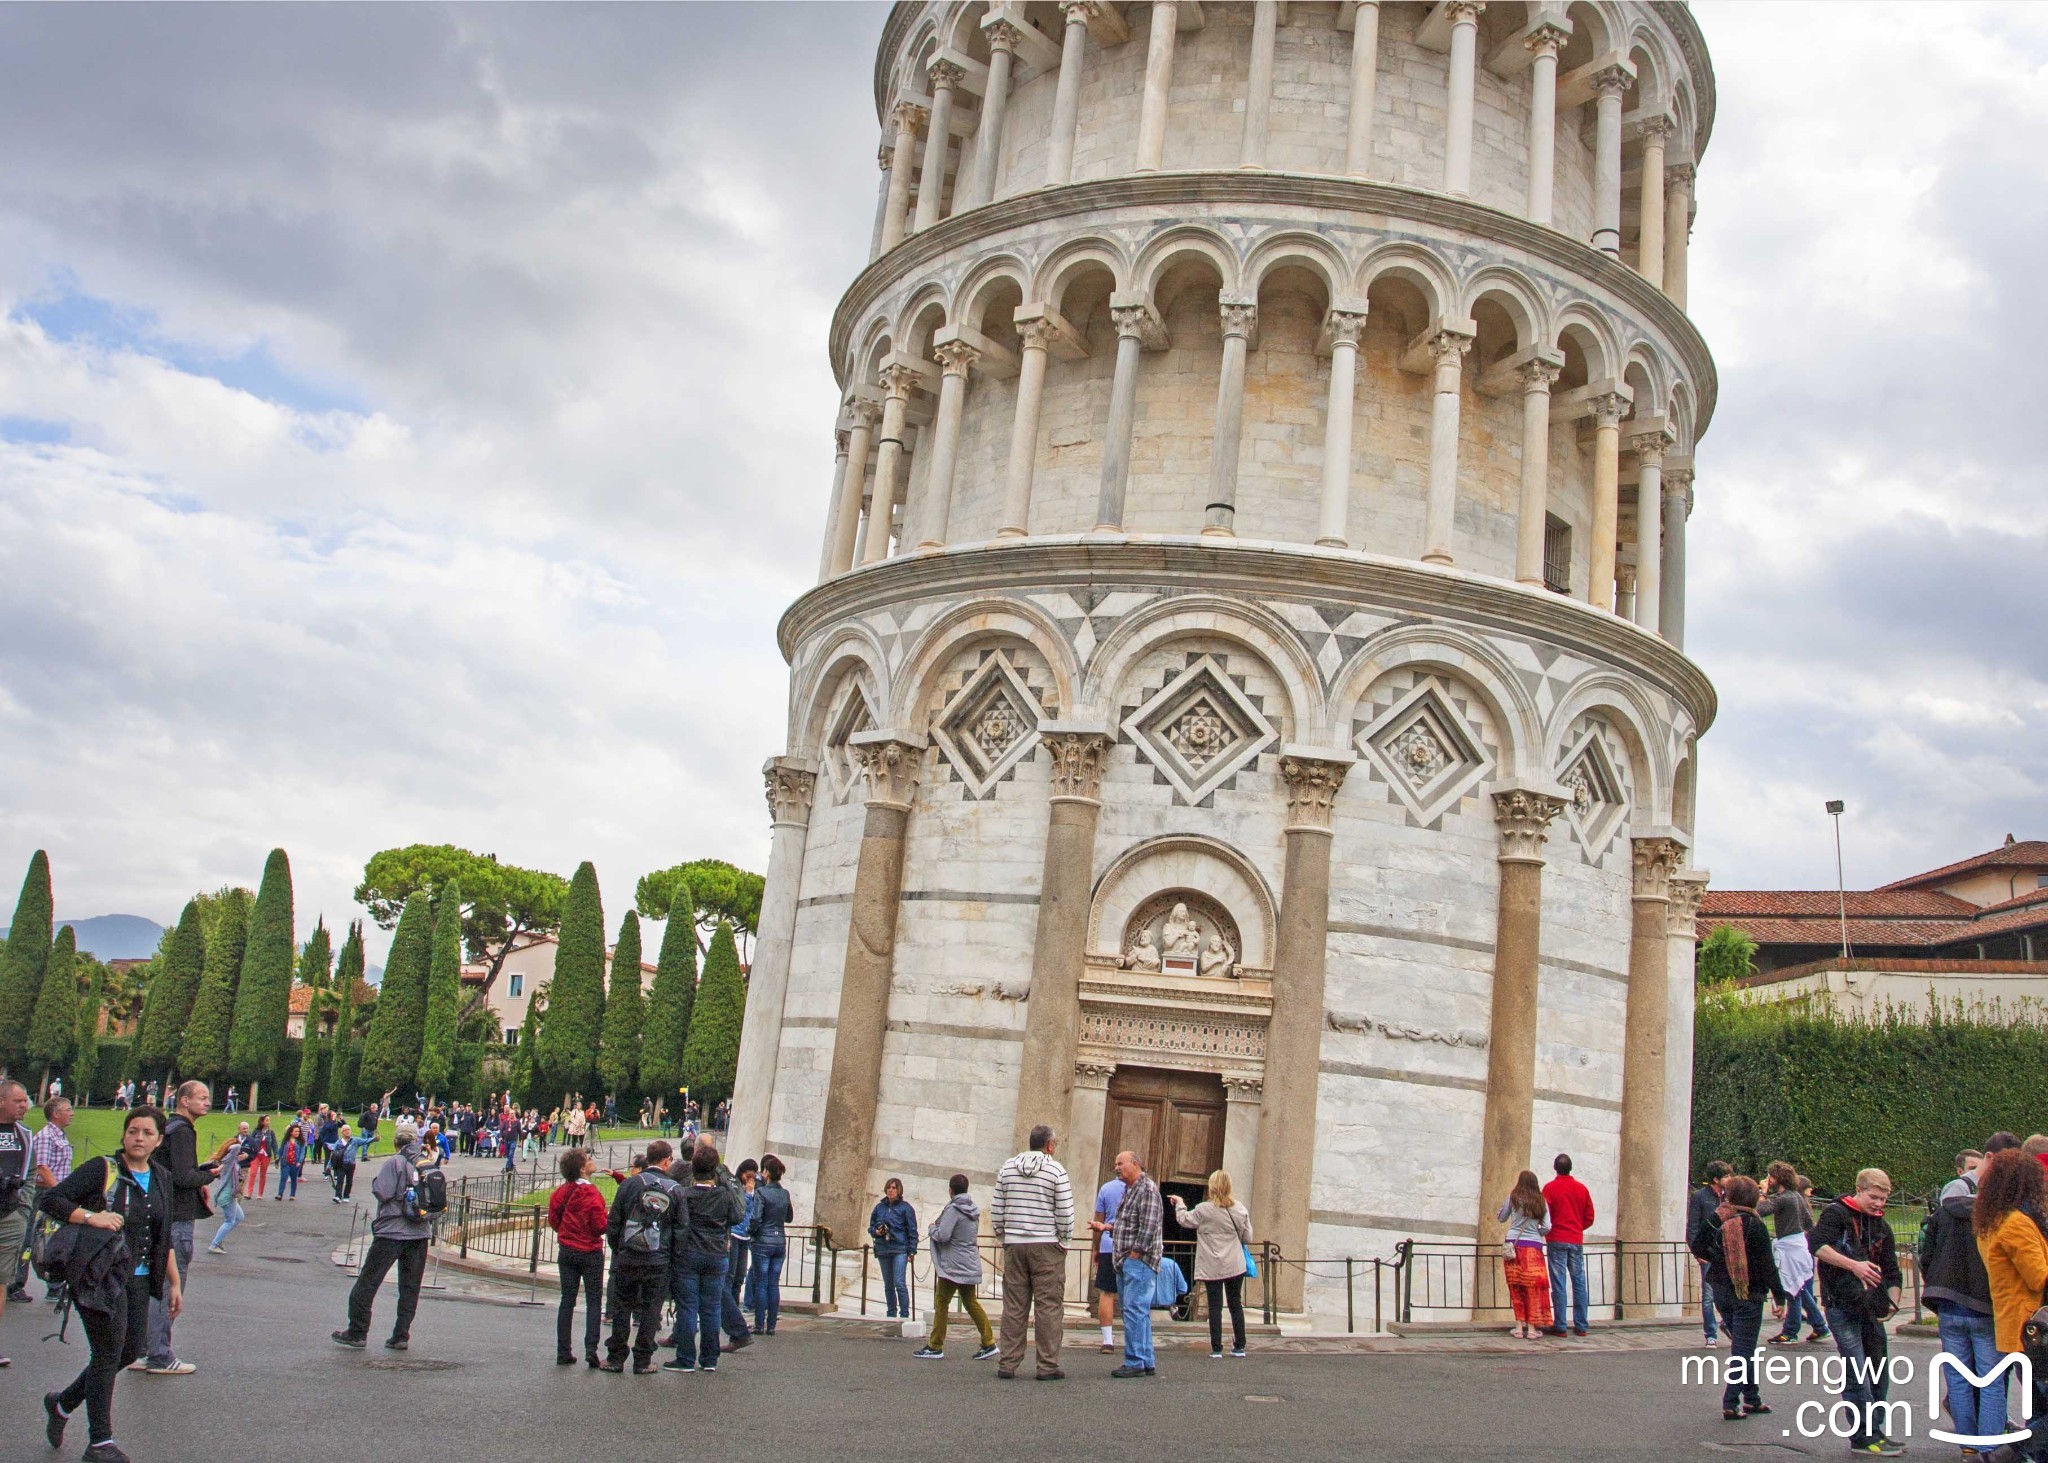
{"type": "Point", "coordinates": [1571, 1215]}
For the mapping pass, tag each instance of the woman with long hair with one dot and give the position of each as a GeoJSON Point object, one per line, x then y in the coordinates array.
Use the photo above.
{"type": "Point", "coordinates": [1528, 1220]}
{"type": "Point", "coordinates": [1741, 1269]}
{"type": "Point", "coordinates": [129, 1193]}
{"type": "Point", "coordinates": [291, 1162]}
{"type": "Point", "coordinates": [1223, 1235]}
{"type": "Point", "coordinates": [2011, 1224]}
{"type": "Point", "coordinates": [770, 1243]}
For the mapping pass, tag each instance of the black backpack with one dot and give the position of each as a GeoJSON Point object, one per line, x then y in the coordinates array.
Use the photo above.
{"type": "Point", "coordinates": [430, 1193]}
{"type": "Point", "coordinates": [646, 1230]}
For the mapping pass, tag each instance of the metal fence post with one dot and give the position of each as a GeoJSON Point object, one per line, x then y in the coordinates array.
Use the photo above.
{"type": "Point", "coordinates": [1620, 1279]}
{"type": "Point", "coordinates": [533, 1258]}
{"type": "Point", "coordinates": [1404, 1283]}
{"type": "Point", "coordinates": [1350, 1310]}
{"type": "Point", "coordinates": [464, 1223]}
{"type": "Point", "coordinates": [863, 1279]}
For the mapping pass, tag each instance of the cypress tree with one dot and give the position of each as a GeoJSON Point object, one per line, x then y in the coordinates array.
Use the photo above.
{"type": "Point", "coordinates": [566, 1057]}
{"type": "Point", "coordinates": [316, 971]}
{"type": "Point", "coordinates": [24, 958]}
{"type": "Point", "coordinates": [391, 1051]}
{"type": "Point", "coordinates": [204, 1051]}
{"type": "Point", "coordinates": [525, 1067]}
{"type": "Point", "coordinates": [444, 993]}
{"type": "Point", "coordinates": [348, 973]}
{"type": "Point", "coordinates": [711, 1056]}
{"type": "Point", "coordinates": [618, 1053]}
{"type": "Point", "coordinates": [85, 1044]}
{"type": "Point", "coordinates": [263, 998]}
{"type": "Point", "coordinates": [669, 1003]}
{"type": "Point", "coordinates": [167, 1006]}
{"type": "Point", "coordinates": [53, 1030]}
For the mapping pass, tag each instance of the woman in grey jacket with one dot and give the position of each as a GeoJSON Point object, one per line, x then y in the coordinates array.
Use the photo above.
{"type": "Point", "coordinates": [1223, 1233]}
{"type": "Point", "coordinates": [956, 1257]}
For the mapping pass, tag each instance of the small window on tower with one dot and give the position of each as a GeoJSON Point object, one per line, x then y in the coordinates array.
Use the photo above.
{"type": "Point", "coordinates": [518, 984]}
{"type": "Point", "coordinates": [1557, 554]}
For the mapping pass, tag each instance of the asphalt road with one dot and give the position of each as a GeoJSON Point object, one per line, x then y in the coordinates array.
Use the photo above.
{"type": "Point", "coordinates": [480, 1382]}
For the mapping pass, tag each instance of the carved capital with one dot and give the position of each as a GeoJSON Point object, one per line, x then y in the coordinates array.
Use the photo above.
{"type": "Point", "coordinates": [1242, 1086]}
{"type": "Point", "coordinates": [899, 381]}
{"type": "Point", "coordinates": [1238, 319]}
{"type": "Point", "coordinates": [1545, 40]}
{"type": "Point", "coordinates": [1080, 12]}
{"type": "Point", "coordinates": [911, 115]}
{"type": "Point", "coordinates": [1611, 81]}
{"type": "Point", "coordinates": [1678, 484]}
{"type": "Point", "coordinates": [1655, 860]}
{"type": "Point", "coordinates": [889, 767]}
{"type": "Point", "coordinates": [1344, 326]}
{"type": "Point", "coordinates": [945, 75]}
{"type": "Point", "coordinates": [1523, 816]}
{"type": "Point", "coordinates": [1657, 129]}
{"type": "Point", "coordinates": [865, 413]}
{"type": "Point", "coordinates": [789, 789]}
{"type": "Point", "coordinates": [1464, 12]}
{"type": "Point", "coordinates": [885, 157]}
{"type": "Point", "coordinates": [1679, 176]}
{"type": "Point", "coordinates": [1077, 759]}
{"type": "Point", "coordinates": [1038, 335]}
{"type": "Point", "coordinates": [1312, 784]}
{"type": "Point", "coordinates": [1688, 888]}
{"type": "Point", "coordinates": [1608, 410]}
{"type": "Point", "coordinates": [1089, 1073]}
{"type": "Point", "coordinates": [956, 357]}
{"type": "Point", "coordinates": [1002, 36]}
{"type": "Point", "coordinates": [1650, 447]}
{"type": "Point", "coordinates": [840, 441]}
{"type": "Point", "coordinates": [1448, 347]}
{"type": "Point", "coordinates": [1539, 376]}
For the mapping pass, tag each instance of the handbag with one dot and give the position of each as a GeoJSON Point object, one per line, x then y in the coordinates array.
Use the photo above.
{"type": "Point", "coordinates": [1251, 1265]}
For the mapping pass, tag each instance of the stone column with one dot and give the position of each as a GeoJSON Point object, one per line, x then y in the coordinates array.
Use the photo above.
{"type": "Point", "coordinates": [1523, 815]}
{"type": "Point", "coordinates": [1052, 1015]}
{"type": "Point", "coordinates": [1036, 337]}
{"type": "Point", "coordinates": [852, 484]}
{"type": "Point", "coordinates": [1608, 87]}
{"type": "Point", "coordinates": [1294, 1035]}
{"type": "Point", "coordinates": [1625, 591]}
{"type": "Point", "coordinates": [1158, 85]}
{"type": "Point", "coordinates": [1066, 99]}
{"type": "Point", "coordinates": [1081, 1139]}
{"type": "Point", "coordinates": [1241, 1131]}
{"type": "Point", "coordinates": [1637, 1216]}
{"type": "Point", "coordinates": [791, 781]}
{"type": "Point", "coordinates": [889, 764]}
{"type": "Point", "coordinates": [1219, 519]}
{"type": "Point", "coordinates": [1650, 242]}
{"type": "Point", "coordinates": [1464, 61]}
{"type": "Point", "coordinates": [832, 506]}
{"type": "Point", "coordinates": [1537, 378]}
{"type": "Point", "coordinates": [1544, 43]}
{"type": "Point", "coordinates": [956, 358]}
{"type": "Point", "coordinates": [1688, 886]}
{"type": "Point", "coordinates": [1258, 98]}
{"type": "Point", "coordinates": [1650, 448]}
{"type": "Point", "coordinates": [1123, 413]}
{"type": "Point", "coordinates": [1440, 511]}
{"type": "Point", "coordinates": [988, 142]}
{"type": "Point", "coordinates": [938, 138]}
{"type": "Point", "coordinates": [1677, 229]}
{"type": "Point", "coordinates": [883, 156]}
{"type": "Point", "coordinates": [889, 458]}
{"type": "Point", "coordinates": [896, 206]}
{"type": "Point", "coordinates": [1365, 75]}
{"type": "Point", "coordinates": [1344, 327]}
{"type": "Point", "coordinates": [1607, 412]}
{"type": "Point", "coordinates": [1677, 508]}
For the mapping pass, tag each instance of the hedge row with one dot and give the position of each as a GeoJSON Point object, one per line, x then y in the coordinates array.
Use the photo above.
{"type": "Point", "coordinates": [475, 1076]}
{"type": "Point", "coordinates": [1831, 1093]}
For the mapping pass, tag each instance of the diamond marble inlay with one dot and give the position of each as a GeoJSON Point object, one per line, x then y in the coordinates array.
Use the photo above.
{"type": "Point", "coordinates": [989, 725]}
{"type": "Point", "coordinates": [1423, 749]}
{"type": "Point", "coordinates": [1200, 729]}
{"type": "Point", "coordinates": [1595, 802]}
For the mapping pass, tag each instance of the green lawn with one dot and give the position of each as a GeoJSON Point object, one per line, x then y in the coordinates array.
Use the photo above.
{"type": "Point", "coordinates": [97, 1130]}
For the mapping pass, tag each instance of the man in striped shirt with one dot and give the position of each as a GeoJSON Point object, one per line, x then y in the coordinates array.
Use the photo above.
{"type": "Point", "coordinates": [1032, 1213]}
{"type": "Point", "coordinates": [49, 1164]}
{"type": "Point", "coordinates": [1139, 1236]}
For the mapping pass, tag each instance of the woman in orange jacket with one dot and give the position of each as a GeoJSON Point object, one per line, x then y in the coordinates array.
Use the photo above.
{"type": "Point", "coordinates": [2011, 1223]}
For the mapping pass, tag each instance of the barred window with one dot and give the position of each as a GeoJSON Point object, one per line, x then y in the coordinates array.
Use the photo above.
{"type": "Point", "coordinates": [1557, 554]}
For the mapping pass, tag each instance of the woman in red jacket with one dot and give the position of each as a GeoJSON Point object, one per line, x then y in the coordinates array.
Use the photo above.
{"type": "Point", "coordinates": [577, 1214]}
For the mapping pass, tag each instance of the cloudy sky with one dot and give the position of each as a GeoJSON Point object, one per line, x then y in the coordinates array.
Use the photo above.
{"type": "Point", "coordinates": [413, 420]}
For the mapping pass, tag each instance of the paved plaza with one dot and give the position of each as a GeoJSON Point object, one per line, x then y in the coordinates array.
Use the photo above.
{"type": "Point", "coordinates": [480, 1377]}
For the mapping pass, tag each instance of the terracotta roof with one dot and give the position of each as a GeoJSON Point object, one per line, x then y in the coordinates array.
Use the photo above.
{"type": "Point", "coordinates": [1817, 931]}
{"type": "Point", "coordinates": [1901, 966]}
{"type": "Point", "coordinates": [1862, 903]}
{"type": "Point", "coordinates": [2030, 853]}
{"type": "Point", "coordinates": [302, 996]}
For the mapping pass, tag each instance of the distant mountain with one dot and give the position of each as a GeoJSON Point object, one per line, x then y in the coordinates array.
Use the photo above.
{"type": "Point", "coordinates": [115, 936]}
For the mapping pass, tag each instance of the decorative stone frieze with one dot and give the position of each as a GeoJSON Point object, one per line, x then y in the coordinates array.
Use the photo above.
{"type": "Point", "coordinates": [1524, 818]}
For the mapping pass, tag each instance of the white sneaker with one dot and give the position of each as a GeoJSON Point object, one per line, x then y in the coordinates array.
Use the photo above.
{"type": "Point", "coordinates": [175, 1369]}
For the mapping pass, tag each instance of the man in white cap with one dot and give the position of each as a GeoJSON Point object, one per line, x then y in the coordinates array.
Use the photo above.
{"type": "Point", "coordinates": [398, 1235]}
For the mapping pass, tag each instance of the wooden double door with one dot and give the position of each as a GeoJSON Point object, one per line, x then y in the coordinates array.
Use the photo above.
{"type": "Point", "coordinates": [1172, 1120]}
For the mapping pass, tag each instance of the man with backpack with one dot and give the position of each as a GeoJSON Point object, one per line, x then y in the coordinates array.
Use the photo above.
{"type": "Point", "coordinates": [407, 1204]}
{"type": "Point", "coordinates": [641, 1229]}
{"type": "Point", "coordinates": [189, 1181]}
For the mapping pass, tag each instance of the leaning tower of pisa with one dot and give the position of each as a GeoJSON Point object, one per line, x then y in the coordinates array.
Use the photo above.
{"type": "Point", "coordinates": [1242, 715]}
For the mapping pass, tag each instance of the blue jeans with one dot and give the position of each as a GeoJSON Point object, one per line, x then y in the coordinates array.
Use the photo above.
{"type": "Point", "coordinates": [1706, 1307]}
{"type": "Point", "coordinates": [1568, 1262]}
{"type": "Point", "coordinates": [697, 1281]}
{"type": "Point", "coordinates": [160, 1353]}
{"type": "Point", "coordinates": [1972, 1340]}
{"type": "Point", "coordinates": [764, 1280]}
{"type": "Point", "coordinates": [1134, 1282]}
{"type": "Point", "coordinates": [732, 1314]}
{"type": "Point", "coordinates": [1861, 1341]}
{"type": "Point", "coordinates": [1804, 1305]}
{"type": "Point", "coordinates": [894, 1291]}
{"type": "Point", "coordinates": [1745, 1321]}
{"type": "Point", "coordinates": [230, 1215]}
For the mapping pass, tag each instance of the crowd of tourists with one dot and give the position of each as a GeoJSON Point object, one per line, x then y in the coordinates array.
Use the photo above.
{"type": "Point", "coordinates": [1834, 1268]}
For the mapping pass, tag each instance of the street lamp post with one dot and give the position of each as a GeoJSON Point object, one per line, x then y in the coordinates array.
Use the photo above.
{"type": "Point", "coordinates": [1841, 888]}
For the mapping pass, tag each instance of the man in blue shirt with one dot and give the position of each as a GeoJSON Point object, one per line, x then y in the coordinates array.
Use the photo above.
{"type": "Point", "coordinates": [1107, 1201]}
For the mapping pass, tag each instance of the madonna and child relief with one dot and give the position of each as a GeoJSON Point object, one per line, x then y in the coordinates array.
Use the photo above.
{"type": "Point", "coordinates": [1175, 942]}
